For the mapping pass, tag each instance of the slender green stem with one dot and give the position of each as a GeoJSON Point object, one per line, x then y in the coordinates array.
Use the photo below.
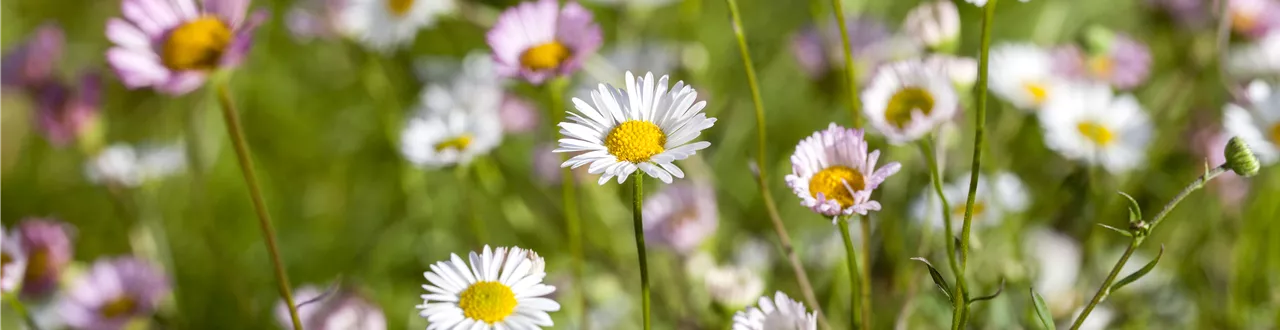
{"type": "Point", "coordinates": [637, 211]}
{"type": "Point", "coordinates": [22, 311]}
{"type": "Point", "coordinates": [866, 271]}
{"type": "Point", "coordinates": [255, 193]}
{"type": "Point", "coordinates": [569, 196]}
{"type": "Point", "coordinates": [1200, 182]}
{"type": "Point", "coordinates": [957, 299]}
{"type": "Point", "coordinates": [1106, 284]}
{"type": "Point", "coordinates": [979, 143]}
{"type": "Point", "coordinates": [468, 205]}
{"type": "Point", "coordinates": [850, 70]}
{"type": "Point", "coordinates": [852, 262]}
{"type": "Point", "coordinates": [762, 171]}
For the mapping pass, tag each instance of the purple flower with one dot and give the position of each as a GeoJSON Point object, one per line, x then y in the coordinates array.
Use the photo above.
{"type": "Point", "coordinates": [339, 310]}
{"type": "Point", "coordinates": [172, 46]}
{"type": "Point", "coordinates": [681, 216]}
{"type": "Point", "coordinates": [47, 243]}
{"type": "Point", "coordinates": [1254, 18]}
{"type": "Point", "coordinates": [1122, 62]}
{"type": "Point", "coordinates": [112, 293]}
{"type": "Point", "coordinates": [518, 115]}
{"type": "Point", "coordinates": [63, 114]}
{"type": "Point", "coordinates": [1187, 13]}
{"type": "Point", "coordinates": [834, 175]}
{"type": "Point", "coordinates": [31, 64]}
{"type": "Point", "coordinates": [13, 262]}
{"type": "Point", "coordinates": [539, 40]}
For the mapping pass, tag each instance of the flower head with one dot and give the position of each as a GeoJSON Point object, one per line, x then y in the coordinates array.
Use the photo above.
{"type": "Point", "coordinates": [934, 24]}
{"type": "Point", "coordinates": [338, 310]}
{"type": "Point", "coordinates": [779, 313]}
{"type": "Point", "coordinates": [538, 40]}
{"type": "Point", "coordinates": [998, 196]}
{"type": "Point", "coordinates": [908, 99]}
{"type": "Point", "coordinates": [47, 243]}
{"type": "Point", "coordinates": [833, 174]}
{"type": "Point", "coordinates": [13, 261]}
{"type": "Point", "coordinates": [1256, 121]}
{"type": "Point", "coordinates": [385, 25]}
{"type": "Point", "coordinates": [645, 127]}
{"type": "Point", "coordinates": [129, 166]}
{"type": "Point", "coordinates": [1086, 122]}
{"type": "Point", "coordinates": [1024, 75]}
{"type": "Point", "coordinates": [437, 139]}
{"type": "Point", "coordinates": [31, 64]}
{"type": "Point", "coordinates": [681, 216]}
{"type": "Point", "coordinates": [64, 114]}
{"type": "Point", "coordinates": [1260, 58]}
{"type": "Point", "coordinates": [501, 289]}
{"type": "Point", "coordinates": [112, 293]}
{"type": "Point", "coordinates": [173, 45]}
{"type": "Point", "coordinates": [1118, 60]}
{"type": "Point", "coordinates": [1254, 18]}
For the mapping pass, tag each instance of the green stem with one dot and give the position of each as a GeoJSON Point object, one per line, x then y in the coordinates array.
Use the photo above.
{"type": "Point", "coordinates": [852, 263]}
{"type": "Point", "coordinates": [979, 143]}
{"type": "Point", "coordinates": [255, 193]}
{"type": "Point", "coordinates": [1105, 289]}
{"type": "Point", "coordinates": [569, 196]}
{"type": "Point", "coordinates": [850, 70]}
{"type": "Point", "coordinates": [957, 299]}
{"type": "Point", "coordinates": [866, 272]}
{"type": "Point", "coordinates": [762, 171]}
{"type": "Point", "coordinates": [22, 311]}
{"type": "Point", "coordinates": [637, 211]}
{"type": "Point", "coordinates": [468, 205]}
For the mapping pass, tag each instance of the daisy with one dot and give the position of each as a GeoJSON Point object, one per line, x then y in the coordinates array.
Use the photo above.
{"type": "Point", "coordinates": [645, 127]}
{"type": "Point", "coordinates": [1254, 18]}
{"type": "Point", "coordinates": [47, 243]}
{"type": "Point", "coordinates": [780, 313]}
{"type": "Point", "coordinates": [340, 309]}
{"type": "Point", "coordinates": [999, 195]}
{"type": "Point", "coordinates": [129, 166]}
{"type": "Point", "coordinates": [681, 216]}
{"type": "Point", "coordinates": [833, 174]}
{"type": "Point", "coordinates": [1260, 128]}
{"type": "Point", "coordinates": [1022, 75]}
{"type": "Point", "coordinates": [1086, 122]}
{"type": "Point", "coordinates": [908, 99]}
{"type": "Point", "coordinates": [13, 261]}
{"type": "Point", "coordinates": [385, 25]}
{"type": "Point", "coordinates": [172, 46]}
{"type": "Point", "coordinates": [1121, 61]}
{"type": "Point", "coordinates": [1259, 58]}
{"type": "Point", "coordinates": [502, 289]}
{"type": "Point", "coordinates": [438, 139]}
{"type": "Point", "coordinates": [538, 40]}
{"type": "Point", "coordinates": [113, 293]}
{"type": "Point", "coordinates": [935, 24]}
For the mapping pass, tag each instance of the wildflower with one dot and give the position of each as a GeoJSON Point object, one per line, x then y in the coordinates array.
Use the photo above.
{"type": "Point", "coordinates": [338, 310]}
{"type": "Point", "coordinates": [315, 19]}
{"type": "Point", "coordinates": [780, 313]}
{"type": "Point", "coordinates": [681, 216]}
{"type": "Point", "coordinates": [31, 64]}
{"type": "Point", "coordinates": [13, 261]}
{"type": "Point", "coordinates": [113, 293]}
{"type": "Point", "coordinates": [1259, 58]}
{"type": "Point", "coordinates": [1254, 18]}
{"type": "Point", "coordinates": [47, 243]}
{"type": "Point", "coordinates": [935, 24]}
{"type": "Point", "coordinates": [385, 25]}
{"type": "Point", "coordinates": [732, 286]}
{"type": "Point", "coordinates": [833, 174]}
{"type": "Point", "coordinates": [1023, 76]}
{"type": "Point", "coordinates": [1259, 127]}
{"type": "Point", "coordinates": [129, 166]}
{"type": "Point", "coordinates": [1240, 158]}
{"type": "Point", "coordinates": [1209, 144]}
{"type": "Point", "coordinates": [437, 139]}
{"type": "Point", "coordinates": [539, 40]}
{"type": "Point", "coordinates": [1117, 59]}
{"type": "Point", "coordinates": [645, 127]}
{"type": "Point", "coordinates": [64, 114]}
{"type": "Point", "coordinates": [501, 289]}
{"type": "Point", "coordinates": [1086, 122]}
{"type": "Point", "coordinates": [908, 99]}
{"type": "Point", "coordinates": [999, 195]}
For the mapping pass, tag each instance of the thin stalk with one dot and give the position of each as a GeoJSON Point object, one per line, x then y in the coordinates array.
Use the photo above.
{"type": "Point", "coordinates": [255, 193]}
{"type": "Point", "coordinates": [854, 281]}
{"type": "Point", "coordinates": [850, 71]}
{"type": "Point", "coordinates": [468, 204]}
{"type": "Point", "coordinates": [979, 143]}
{"type": "Point", "coordinates": [569, 196]}
{"type": "Point", "coordinates": [866, 271]}
{"type": "Point", "coordinates": [1139, 236]}
{"type": "Point", "coordinates": [22, 311]}
{"type": "Point", "coordinates": [762, 180]}
{"type": "Point", "coordinates": [637, 211]}
{"type": "Point", "coordinates": [957, 299]}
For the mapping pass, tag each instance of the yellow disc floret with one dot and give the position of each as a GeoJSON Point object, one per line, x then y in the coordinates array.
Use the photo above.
{"type": "Point", "coordinates": [1095, 132]}
{"type": "Point", "coordinates": [399, 7]}
{"type": "Point", "coordinates": [978, 207]}
{"type": "Point", "coordinates": [546, 56]}
{"type": "Point", "coordinates": [635, 141]}
{"type": "Point", "coordinates": [1039, 92]}
{"type": "Point", "coordinates": [458, 143]}
{"type": "Point", "coordinates": [118, 307]}
{"type": "Point", "coordinates": [835, 182]}
{"type": "Point", "coordinates": [1275, 133]}
{"type": "Point", "coordinates": [490, 302]}
{"type": "Point", "coordinates": [904, 103]}
{"type": "Point", "coordinates": [196, 45]}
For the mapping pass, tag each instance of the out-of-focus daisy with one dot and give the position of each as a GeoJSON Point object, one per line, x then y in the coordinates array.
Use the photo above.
{"type": "Point", "coordinates": [963, 71]}
{"type": "Point", "coordinates": [779, 313]}
{"type": "Point", "coordinates": [1254, 18]}
{"type": "Point", "coordinates": [125, 165]}
{"type": "Point", "coordinates": [1259, 58]}
{"type": "Point", "coordinates": [315, 19]}
{"type": "Point", "coordinates": [908, 99]}
{"type": "Point", "coordinates": [31, 64]}
{"type": "Point", "coordinates": [13, 261]}
{"type": "Point", "coordinates": [645, 127]}
{"type": "Point", "coordinates": [64, 114]}
{"type": "Point", "coordinates": [47, 243]}
{"type": "Point", "coordinates": [502, 289]}
{"type": "Point", "coordinates": [833, 174]}
{"type": "Point", "coordinates": [1120, 61]}
{"type": "Point", "coordinates": [1022, 75]}
{"type": "Point", "coordinates": [732, 286]}
{"type": "Point", "coordinates": [338, 310]}
{"type": "Point", "coordinates": [1257, 121]}
{"type": "Point", "coordinates": [934, 24]}
{"type": "Point", "coordinates": [517, 114]}
{"type": "Point", "coordinates": [1056, 258]}
{"type": "Point", "coordinates": [681, 216]}
{"type": "Point", "coordinates": [438, 139]}
{"type": "Point", "coordinates": [538, 40]}
{"type": "Point", "coordinates": [113, 293]}
{"type": "Point", "coordinates": [1086, 122]}
{"type": "Point", "coordinates": [385, 25]}
{"type": "Point", "coordinates": [472, 87]}
{"type": "Point", "coordinates": [999, 195]}
{"type": "Point", "coordinates": [173, 45]}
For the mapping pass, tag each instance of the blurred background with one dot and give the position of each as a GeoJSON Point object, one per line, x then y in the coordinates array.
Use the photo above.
{"type": "Point", "coordinates": [323, 117]}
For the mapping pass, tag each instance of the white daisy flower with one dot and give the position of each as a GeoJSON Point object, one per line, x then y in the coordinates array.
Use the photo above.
{"type": "Point", "coordinates": [993, 202]}
{"type": "Point", "coordinates": [1022, 74]}
{"type": "Point", "coordinates": [1259, 58]}
{"type": "Point", "coordinates": [438, 139]}
{"type": "Point", "coordinates": [385, 25]}
{"type": "Point", "coordinates": [1259, 128]}
{"type": "Point", "coordinates": [1056, 260]}
{"type": "Point", "coordinates": [645, 127]}
{"type": "Point", "coordinates": [732, 286]}
{"type": "Point", "coordinates": [125, 165]}
{"type": "Point", "coordinates": [833, 174]}
{"type": "Point", "coordinates": [908, 99]}
{"type": "Point", "coordinates": [501, 289]}
{"type": "Point", "coordinates": [780, 313]}
{"type": "Point", "coordinates": [13, 261]}
{"type": "Point", "coordinates": [1086, 122]}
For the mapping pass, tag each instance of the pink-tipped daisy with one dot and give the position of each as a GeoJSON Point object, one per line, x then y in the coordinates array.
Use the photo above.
{"type": "Point", "coordinates": [539, 40]}
{"type": "Point", "coordinates": [833, 174]}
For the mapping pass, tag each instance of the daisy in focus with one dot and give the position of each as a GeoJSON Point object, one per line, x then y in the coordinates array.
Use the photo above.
{"type": "Point", "coordinates": [173, 46]}
{"type": "Point", "coordinates": [779, 313]}
{"type": "Point", "coordinates": [1085, 122]}
{"type": "Point", "coordinates": [501, 289]}
{"type": "Point", "coordinates": [908, 99]}
{"type": "Point", "coordinates": [113, 293]}
{"type": "Point", "coordinates": [1022, 74]}
{"type": "Point", "coordinates": [645, 127]}
{"type": "Point", "coordinates": [999, 195]}
{"type": "Point", "coordinates": [833, 174]}
{"type": "Point", "coordinates": [1257, 121]}
{"type": "Point", "coordinates": [539, 40]}
{"type": "Point", "coordinates": [681, 216]}
{"type": "Point", "coordinates": [385, 25]}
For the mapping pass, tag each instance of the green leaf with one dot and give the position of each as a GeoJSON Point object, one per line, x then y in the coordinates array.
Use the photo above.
{"type": "Point", "coordinates": [1135, 211]}
{"type": "Point", "coordinates": [989, 297]}
{"type": "Point", "coordinates": [1138, 274]}
{"type": "Point", "coordinates": [1118, 230]}
{"type": "Point", "coordinates": [1042, 311]}
{"type": "Point", "coordinates": [937, 277]}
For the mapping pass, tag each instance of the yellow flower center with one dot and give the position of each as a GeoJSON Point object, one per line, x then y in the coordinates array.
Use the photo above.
{"type": "Point", "coordinates": [978, 207]}
{"type": "Point", "coordinates": [399, 7]}
{"type": "Point", "coordinates": [196, 45]}
{"type": "Point", "coordinates": [487, 301]}
{"type": "Point", "coordinates": [37, 265]}
{"type": "Point", "coordinates": [1039, 92]}
{"type": "Point", "coordinates": [635, 141]}
{"type": "Point", "coordinates": [118, 307]}
{"type": "Point", "coordinates": [1101, 66]}
{"type": "Point", "coordinates": [545, 56]}
{"type": "Point", "coordinates": [905, 102]}
{"type": "Point", "coordinates": [1097, 133]}
{"type": "Point", "coordinates": [831, 182]}
{"type": "Point", "coordinates": [1275, 133]}
{"type": "Point", "coordinates": [458, 143]}
{"type": "Point", "coordinates": [1243, 21]}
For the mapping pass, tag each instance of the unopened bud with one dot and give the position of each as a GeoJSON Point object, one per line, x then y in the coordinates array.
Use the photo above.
{"type": "Point", "coordinates": [1240, 158]}
{"type": "Point", "coordinates": [935, 24]}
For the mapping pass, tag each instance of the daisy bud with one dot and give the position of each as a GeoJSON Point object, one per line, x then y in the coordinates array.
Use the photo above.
{"type": "Point", "coordinates": [1240, 158]}
{"type": "Point", "coordinates": [936, 25]}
